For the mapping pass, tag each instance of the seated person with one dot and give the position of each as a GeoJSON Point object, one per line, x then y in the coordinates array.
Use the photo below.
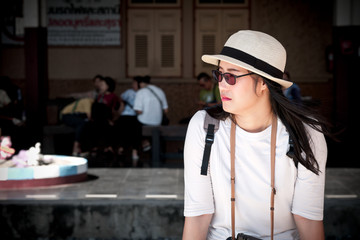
{"type": "Point", "coordinates": [107, 96]}
{"type": "Point", "coordinates": [97, 134]}
{"type": "Point", "coordinates": [75, 115]}
{"type": "Point", "coordinates": [12, 113]}
{"type": "Point", "coordinates": [209, 94]}
{"type": "Point", "coordinates": [293, 92]}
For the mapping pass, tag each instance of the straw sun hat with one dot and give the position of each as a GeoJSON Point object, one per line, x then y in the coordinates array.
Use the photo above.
{"type": "Point", "coordinates": [255, 51]}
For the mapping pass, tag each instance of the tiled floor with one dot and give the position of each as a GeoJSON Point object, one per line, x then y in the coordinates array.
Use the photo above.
{"type": "Point", "coordinates": [135, 183]}
{"type": "Point", "coordinates": [116, 183]}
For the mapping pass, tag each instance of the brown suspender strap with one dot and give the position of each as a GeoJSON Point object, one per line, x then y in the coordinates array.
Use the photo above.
{"type": "Point", "coordinates": [273, 191]}
{"type": "Point", "coordinates": [232, 179]}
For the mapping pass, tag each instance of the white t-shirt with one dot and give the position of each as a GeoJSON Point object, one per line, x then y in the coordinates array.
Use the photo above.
{"type": "Point", "coordinates": [149, 105]}
{"type": "Point", "coordinates": [298, 190]}
{"type": "Point", "coordinates": [4, 98]}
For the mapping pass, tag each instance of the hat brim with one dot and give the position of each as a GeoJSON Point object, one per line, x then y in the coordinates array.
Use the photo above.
{"type": "Point", "coordinates": [214, 60]}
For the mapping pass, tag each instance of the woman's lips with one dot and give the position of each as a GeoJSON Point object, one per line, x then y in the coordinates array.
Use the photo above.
{"type": "Point", "coordinates": [224, 98]}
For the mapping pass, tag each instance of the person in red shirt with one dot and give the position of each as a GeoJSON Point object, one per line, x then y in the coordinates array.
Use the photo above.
{"type": "Point", "coordinates": [98, 134]}
{"type": "Point", "coordinates": [108, 97]}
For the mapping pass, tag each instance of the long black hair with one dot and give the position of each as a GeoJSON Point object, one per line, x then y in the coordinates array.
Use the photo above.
{"type": "Point", "coordinates": [294, 116]}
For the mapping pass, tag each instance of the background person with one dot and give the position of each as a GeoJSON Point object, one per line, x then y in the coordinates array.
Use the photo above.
{"type": "Point", "coordinates": [150, 104]}
{"type": "Point", "coordinates": [107, 96]}
{"type": "Point", "coordinates": [12, 114]}
{"type": "Point", "coordinates": [98, 137]}
{"type": "Point", "coordinates": [11, 102]}
{"type": "Point", "coordinates": [97, 133]}
{"type": "Point", "coordinates": [127, 127]}
{"type": "Point", "coordinates": [78, 113]}
{"type": "Point", "coordinates": [293, 92]}
{"type": "Point", "coordinates": [209, 94]}
{"type": "Point", "coordinates": [75, 115]}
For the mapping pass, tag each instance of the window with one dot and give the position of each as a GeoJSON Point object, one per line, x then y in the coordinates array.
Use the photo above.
{"type": "Point", "coordinates": [212, 28]}
{"type": "Point", "coordinates": [154, 3]}
{"type": "Point", "coordinates": [154, 42]}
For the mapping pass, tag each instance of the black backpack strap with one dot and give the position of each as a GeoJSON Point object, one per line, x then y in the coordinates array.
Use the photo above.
{"type": "Point", "coordinates": [129, 104]}
{"type": "Point", "coordinates": [208, 143]}
{"type": "Point", "coordinates": [211, 125]}
{"type": "Point", "coordinates": [291, 153]}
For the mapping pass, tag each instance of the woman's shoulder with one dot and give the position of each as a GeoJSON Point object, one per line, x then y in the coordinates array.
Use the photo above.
{"type": "Point", "coordinates": [157, 89]}
{"type": "Point", "coordinates": [198, 121]}
{"type": "Point", "coordinates": [196, 124]}
{"type": "Point", "coordinates": [141, 92]}
{"type": "Point", "coordinates": [128, 92]}
{"type": "Point", "coordinates": [198, 118]}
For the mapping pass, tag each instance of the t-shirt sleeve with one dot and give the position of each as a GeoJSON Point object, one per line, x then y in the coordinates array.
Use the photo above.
{"type": "Point", "coordinates": [198, 197]}
{"type": "Point", "coordinates": [138, 105]}
{"type": "Point", "coordinates": [309, 192]}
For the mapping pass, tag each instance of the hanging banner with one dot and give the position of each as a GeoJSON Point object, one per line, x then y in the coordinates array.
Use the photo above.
{"type": "Point", "coordinates": [83, 22]}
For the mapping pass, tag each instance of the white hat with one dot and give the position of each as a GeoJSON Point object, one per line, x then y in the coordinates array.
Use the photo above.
{"type": "Point", "coordinates": [255, 51]}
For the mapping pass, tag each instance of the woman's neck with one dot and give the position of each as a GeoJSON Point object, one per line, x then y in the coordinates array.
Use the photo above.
{"type": "Point", "coordinates": [255, 121]}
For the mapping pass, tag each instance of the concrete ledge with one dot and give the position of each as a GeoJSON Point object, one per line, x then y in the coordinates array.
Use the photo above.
{"type": "Point", "coordinates": [132, 219]}
{"type": "Point", "coordinates": [109, 219]}
{"type": "Point", "coordinates": [342, 218]}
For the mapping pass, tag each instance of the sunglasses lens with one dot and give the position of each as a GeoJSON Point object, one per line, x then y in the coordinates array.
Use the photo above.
{"type": "Point", "coordinates": [217, 75]}
{"type": "Point", "coordinates": [230, 78]}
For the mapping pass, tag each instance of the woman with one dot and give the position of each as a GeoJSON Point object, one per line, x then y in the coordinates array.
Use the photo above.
{"type": "Point", "coordinates": [98, 133]}
{"type": "Point", "coordinates": [107, 96]}
{"type": "Point", "coordinates": [249, 71]}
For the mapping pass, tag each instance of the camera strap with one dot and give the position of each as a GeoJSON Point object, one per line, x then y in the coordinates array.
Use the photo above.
{"type": "Point", "coordinates": [272, 162]}
{"type": "Point", "coordinates": [232, 157]}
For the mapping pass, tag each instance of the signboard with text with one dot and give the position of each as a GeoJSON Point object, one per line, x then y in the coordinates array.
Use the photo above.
{"type": "Point", "coordinates": [83, 22]}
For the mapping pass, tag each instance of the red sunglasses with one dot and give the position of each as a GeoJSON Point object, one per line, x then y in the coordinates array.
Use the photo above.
{"type": "Point", "coordinates": [229, 77]}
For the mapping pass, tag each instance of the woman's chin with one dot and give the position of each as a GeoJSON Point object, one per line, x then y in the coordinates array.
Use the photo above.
{"type": "Point", "coordinates": [227, 107]}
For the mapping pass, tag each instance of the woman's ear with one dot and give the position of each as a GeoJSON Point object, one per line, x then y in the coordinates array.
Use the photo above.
{"type": "Point", "coordinates": [261, 86]}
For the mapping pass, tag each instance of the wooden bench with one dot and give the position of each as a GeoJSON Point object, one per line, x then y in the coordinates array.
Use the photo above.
{"type": "Point", "coordinates": [164, 133]}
